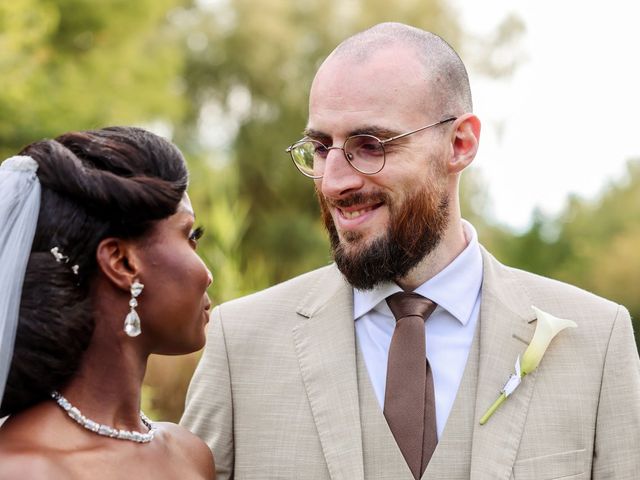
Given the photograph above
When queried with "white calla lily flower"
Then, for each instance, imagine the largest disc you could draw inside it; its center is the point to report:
(547, 327)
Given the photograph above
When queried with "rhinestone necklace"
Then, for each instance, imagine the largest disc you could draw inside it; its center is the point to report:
(105, 430)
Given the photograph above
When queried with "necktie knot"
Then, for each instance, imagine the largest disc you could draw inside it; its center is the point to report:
(407, 304)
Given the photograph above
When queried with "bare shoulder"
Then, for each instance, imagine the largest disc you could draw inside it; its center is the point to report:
(28, 465)
(187, 447)
(23, 455)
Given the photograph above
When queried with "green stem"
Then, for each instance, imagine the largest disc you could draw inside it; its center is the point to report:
(493, 408)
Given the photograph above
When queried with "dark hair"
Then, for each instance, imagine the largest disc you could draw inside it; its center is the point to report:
(116, 181)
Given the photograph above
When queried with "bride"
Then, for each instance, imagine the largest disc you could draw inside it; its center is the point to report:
(98, 270)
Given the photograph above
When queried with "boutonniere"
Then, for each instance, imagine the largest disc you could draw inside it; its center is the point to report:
(547, 327)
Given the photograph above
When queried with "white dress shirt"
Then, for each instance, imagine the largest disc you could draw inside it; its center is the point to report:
(449, 330)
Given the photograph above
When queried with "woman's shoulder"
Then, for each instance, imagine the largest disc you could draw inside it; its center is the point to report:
(28, 464)
(24, 453)
(174, 451)
(185, 444)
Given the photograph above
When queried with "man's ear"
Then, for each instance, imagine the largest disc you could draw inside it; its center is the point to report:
(118, 261)
(464, 140)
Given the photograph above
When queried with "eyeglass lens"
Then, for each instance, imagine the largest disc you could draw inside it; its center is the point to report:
(364, 152)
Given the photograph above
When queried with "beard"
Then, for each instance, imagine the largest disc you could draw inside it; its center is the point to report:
(415, 229)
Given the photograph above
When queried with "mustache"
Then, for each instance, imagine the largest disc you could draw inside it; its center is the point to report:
(358, 198)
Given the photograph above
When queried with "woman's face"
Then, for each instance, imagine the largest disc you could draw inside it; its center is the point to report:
(174, 305)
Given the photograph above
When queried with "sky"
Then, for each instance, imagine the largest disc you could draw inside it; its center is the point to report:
(567, 120)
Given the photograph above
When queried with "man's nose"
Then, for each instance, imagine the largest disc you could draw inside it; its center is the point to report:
(339, 176)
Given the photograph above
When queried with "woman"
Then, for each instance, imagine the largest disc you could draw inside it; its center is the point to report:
(98, 270)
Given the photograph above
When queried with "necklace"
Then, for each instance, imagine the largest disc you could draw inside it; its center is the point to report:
(104, 430)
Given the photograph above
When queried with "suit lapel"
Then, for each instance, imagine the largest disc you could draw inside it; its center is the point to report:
(325, 345)
(506, 329)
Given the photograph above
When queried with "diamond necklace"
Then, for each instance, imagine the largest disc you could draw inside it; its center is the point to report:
(104, 430)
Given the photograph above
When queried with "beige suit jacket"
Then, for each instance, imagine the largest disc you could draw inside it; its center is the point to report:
(280, 390)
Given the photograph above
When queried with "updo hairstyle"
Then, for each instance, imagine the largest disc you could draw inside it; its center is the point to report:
(116, 181)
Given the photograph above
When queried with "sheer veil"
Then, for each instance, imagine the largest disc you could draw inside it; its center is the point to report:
(19, 207)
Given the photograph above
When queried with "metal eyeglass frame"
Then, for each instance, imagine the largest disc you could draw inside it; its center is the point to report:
(290, 148)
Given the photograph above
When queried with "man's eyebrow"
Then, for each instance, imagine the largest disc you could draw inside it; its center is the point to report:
(380, 132)
(311, 133)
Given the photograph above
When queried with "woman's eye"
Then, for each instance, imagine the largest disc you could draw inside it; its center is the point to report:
(196, 234)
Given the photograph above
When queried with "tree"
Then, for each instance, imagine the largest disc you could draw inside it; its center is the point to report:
(594, 243)
(74, 64)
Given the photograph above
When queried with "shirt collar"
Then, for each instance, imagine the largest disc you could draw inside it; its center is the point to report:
(455, 288)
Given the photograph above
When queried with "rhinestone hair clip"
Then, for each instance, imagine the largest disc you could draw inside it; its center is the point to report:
(62, 258)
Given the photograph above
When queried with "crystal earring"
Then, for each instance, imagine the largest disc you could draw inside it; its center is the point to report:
(132, 322)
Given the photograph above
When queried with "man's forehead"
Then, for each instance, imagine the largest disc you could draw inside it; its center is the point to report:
(346, 98)
(395, 58)
(387, 75)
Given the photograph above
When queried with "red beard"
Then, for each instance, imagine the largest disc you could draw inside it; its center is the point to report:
(415, 228)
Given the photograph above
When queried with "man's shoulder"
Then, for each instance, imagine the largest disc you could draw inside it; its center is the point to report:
(540, 286)
(288, 294)
(555, 296)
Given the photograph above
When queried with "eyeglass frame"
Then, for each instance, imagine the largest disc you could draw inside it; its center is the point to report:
(382, 143)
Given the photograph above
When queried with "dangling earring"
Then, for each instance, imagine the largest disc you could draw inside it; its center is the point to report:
(132, 322)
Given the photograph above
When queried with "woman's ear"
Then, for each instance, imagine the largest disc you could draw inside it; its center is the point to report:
(118, 261)
(464, 140)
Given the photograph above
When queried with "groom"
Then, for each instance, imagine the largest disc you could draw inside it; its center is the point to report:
(326, 376)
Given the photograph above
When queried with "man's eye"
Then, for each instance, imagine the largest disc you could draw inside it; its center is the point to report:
(371, 147)
(320, 149)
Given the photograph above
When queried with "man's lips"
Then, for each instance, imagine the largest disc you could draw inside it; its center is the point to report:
(354, 211)
(357, 210)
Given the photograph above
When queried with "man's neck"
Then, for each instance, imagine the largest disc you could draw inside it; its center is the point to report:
(453, 242)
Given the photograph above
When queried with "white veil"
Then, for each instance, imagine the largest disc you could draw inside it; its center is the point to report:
(19, 207)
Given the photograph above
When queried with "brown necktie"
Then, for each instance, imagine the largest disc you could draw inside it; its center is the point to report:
(409, 400)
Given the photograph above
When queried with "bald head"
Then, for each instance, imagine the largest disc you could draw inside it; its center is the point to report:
(443, 69)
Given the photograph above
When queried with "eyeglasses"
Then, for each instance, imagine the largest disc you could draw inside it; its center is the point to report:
(365, 153)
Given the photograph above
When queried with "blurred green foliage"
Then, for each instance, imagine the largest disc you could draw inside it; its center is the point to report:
(594, 243)
(76, 64)
(228, 80)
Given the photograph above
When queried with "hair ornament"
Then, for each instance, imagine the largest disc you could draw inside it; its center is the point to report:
(57, 254)
(61, 258)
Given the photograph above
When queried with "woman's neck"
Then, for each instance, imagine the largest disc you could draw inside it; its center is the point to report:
(107, 385)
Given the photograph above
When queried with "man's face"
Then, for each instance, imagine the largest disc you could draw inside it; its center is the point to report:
(382, 225)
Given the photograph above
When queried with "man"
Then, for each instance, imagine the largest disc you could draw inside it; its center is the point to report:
(318, 377)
